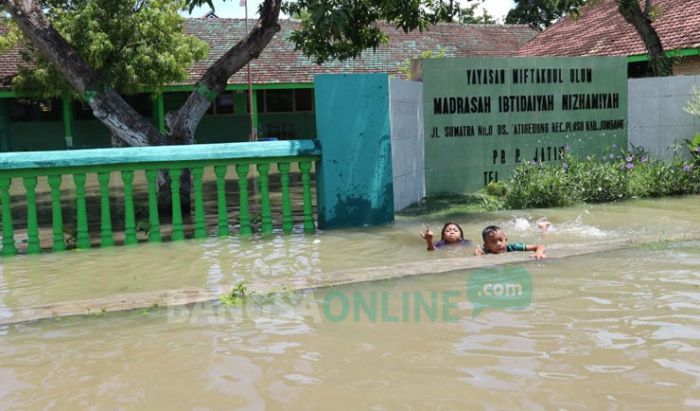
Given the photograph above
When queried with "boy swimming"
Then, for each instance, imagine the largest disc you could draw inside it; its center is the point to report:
(496, 242)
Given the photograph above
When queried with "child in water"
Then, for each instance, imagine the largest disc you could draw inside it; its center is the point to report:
(496, 242)
(451, 235)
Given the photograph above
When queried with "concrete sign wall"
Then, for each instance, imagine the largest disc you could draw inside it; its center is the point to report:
(483, 116)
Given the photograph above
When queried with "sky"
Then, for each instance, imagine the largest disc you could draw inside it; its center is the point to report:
(232, 8)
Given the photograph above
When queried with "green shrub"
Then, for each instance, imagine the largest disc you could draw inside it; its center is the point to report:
(613, 176)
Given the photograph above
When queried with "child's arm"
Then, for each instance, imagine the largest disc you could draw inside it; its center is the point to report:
(427, 235)
(478, 251)
(538, 249)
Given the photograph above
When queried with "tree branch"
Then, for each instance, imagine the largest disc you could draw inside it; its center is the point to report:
(183, 123)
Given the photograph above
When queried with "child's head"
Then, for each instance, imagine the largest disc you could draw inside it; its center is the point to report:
(495, 239)
(452, 233)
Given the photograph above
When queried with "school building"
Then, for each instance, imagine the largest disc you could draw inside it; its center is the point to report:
(283, 88)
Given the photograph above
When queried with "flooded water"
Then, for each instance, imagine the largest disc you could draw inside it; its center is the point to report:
(617, 328)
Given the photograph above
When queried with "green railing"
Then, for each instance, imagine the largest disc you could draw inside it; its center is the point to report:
(242, 158)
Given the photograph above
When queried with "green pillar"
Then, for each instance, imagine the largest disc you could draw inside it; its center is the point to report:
(67, 121)
(153, 218)
(8, 239)
(82, 230)
(129, 215)
(178, 233)
(59, 243)
(254, 110)
(4, 126)
(159, 113)
(220, 172)
(242, 172)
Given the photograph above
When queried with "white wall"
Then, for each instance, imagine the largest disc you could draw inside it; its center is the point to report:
(407, 146)
(655, 113)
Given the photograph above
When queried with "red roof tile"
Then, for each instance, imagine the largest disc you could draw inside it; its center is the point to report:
(601, 30)
(279, 63)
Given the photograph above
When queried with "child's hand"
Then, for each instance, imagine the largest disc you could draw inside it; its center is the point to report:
(478, 251)
(539, 253)
(427, 234)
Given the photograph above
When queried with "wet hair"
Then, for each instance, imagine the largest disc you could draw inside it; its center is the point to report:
(442, 233)
(489, 231)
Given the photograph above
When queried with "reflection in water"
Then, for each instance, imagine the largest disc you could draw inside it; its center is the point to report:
(613, 330)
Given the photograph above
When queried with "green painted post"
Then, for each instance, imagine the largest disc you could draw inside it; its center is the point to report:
(287, 222)
(175, 174)
(200, 229)
(67, 121)
(159, 112)
(33, 246)
(59, 243)
(129, 217)
(220, 172)
(254, 110)
(264, 170)
(305, 167)
(153, 220)
(83, 236)
(242, 172)
(4, 126)
(8, 239)
(105, 215)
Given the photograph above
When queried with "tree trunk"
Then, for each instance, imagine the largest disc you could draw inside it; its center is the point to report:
(108, 106)
(661, 65)
(120, 118)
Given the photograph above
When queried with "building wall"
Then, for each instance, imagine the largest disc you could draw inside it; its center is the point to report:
(687, 66)
(656, 116)
(88, 132)
(36, 136)
(407, 146)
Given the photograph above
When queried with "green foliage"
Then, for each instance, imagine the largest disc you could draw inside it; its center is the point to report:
(496, 189)
(693, 105)
(405, 66)
(342, 29)
(237, 294)
(10, 36)
(133, 44)
(467, 15)
(540, 14)
(616, 175)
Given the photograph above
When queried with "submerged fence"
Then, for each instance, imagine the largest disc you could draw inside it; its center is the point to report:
(241, 157)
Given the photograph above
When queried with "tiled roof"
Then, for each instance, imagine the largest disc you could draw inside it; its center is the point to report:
(601, 30)
(9, 61)
(279, 63)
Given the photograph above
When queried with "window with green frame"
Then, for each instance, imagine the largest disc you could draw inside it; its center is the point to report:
(285, 100)
(25, 109)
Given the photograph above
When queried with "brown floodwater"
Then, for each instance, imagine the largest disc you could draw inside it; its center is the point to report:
(615, 329)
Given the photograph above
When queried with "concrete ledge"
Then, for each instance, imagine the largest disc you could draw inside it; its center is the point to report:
(179, 297)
